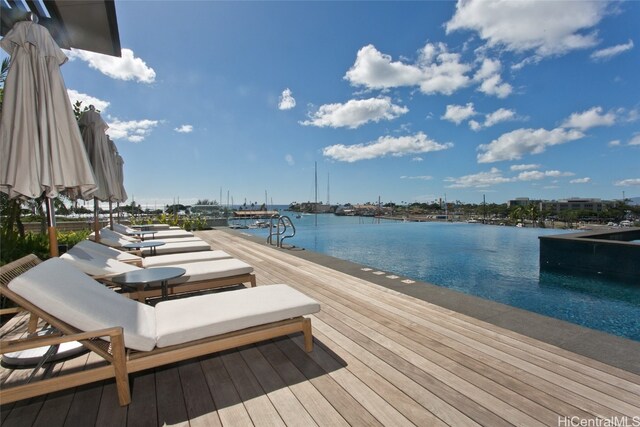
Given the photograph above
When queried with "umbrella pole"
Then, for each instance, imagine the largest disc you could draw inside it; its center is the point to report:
(110, 214)
(96, 222)
(51, 221)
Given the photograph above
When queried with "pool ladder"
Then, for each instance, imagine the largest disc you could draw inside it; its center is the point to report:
(279, 230)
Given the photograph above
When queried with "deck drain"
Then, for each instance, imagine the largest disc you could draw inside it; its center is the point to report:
(366, 269)
(392, 277)
(408, 281)
(379, 273)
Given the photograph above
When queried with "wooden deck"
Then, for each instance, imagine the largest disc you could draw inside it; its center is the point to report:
(380, 358)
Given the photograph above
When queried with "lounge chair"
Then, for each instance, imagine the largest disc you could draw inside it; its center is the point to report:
(167, 248)
(141, 336)
(107, 233)
(199, 276)
(157, 234)
(155, 261)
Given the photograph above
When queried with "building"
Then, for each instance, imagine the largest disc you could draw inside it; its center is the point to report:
(522, 201)
(574, 204)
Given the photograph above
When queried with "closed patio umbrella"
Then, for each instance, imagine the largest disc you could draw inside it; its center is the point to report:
(120, 194)
(41, 149)
(102, 159)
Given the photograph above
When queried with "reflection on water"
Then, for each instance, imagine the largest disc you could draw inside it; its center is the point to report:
(492, 262)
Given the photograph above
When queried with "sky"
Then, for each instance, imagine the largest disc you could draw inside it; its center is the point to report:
(398, 101)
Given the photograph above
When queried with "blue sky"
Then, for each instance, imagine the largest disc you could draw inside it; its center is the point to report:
(406, 101)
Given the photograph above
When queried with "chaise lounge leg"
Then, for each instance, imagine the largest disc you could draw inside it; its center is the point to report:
(120, 368)
(308, 335)
(33, 323)
(253, 281)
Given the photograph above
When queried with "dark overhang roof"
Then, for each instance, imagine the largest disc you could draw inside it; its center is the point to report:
(82, 24)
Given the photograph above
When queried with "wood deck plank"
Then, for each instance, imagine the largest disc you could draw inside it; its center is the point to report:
(285, 402)
(201, 409)
(110, 413)
(342, 400)
(231, 409)
(170, 397)
(259, 407)
(318, 407)
(143, 409)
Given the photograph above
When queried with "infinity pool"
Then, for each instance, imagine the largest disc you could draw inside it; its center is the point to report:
(492, 262)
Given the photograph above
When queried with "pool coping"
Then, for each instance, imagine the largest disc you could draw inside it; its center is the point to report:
(611, 349)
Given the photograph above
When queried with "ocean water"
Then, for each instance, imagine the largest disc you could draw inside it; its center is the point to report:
(492, 262)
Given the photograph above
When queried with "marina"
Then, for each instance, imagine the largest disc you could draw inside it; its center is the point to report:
(381, 357)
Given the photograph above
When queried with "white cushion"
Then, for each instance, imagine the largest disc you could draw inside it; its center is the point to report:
(174, 239)
(95, 264)
(188, 319)
(70, 295)
(107, 233)
(170, 259)
(170, 234)
(107, 251)
(179, 247)
(159, 233)
(122, 229)
(208, 270)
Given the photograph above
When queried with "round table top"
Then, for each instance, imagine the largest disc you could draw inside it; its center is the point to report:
(145, 244)
(148, 275)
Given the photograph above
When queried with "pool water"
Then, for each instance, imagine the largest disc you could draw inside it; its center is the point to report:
(491, 262)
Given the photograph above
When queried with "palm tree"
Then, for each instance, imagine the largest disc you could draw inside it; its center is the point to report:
(517, 214)
(533, 213)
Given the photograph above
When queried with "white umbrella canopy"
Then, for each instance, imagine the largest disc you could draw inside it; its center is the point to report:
(41, 149)
(121, 193)
(101, 157)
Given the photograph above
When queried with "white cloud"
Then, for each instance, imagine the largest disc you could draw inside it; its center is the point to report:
(384, 146)
(500, 115)
(610, 52)
(635, 140)
(459, 113)
(585, 180)
(436, 71)
(515, 144)
(491, 82)
(355, 113)
(474, 125)
(133, 130)
(546, 28)
(538, 175)
(627, 182)
(419, 177)
(87, 100)
(615, 143)
(417, 159)
(184, 129)
(289, 159)
(590, 118)
(492, 119)
(524, 167)
(478, 180)
(287, 101)
(128, 67)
